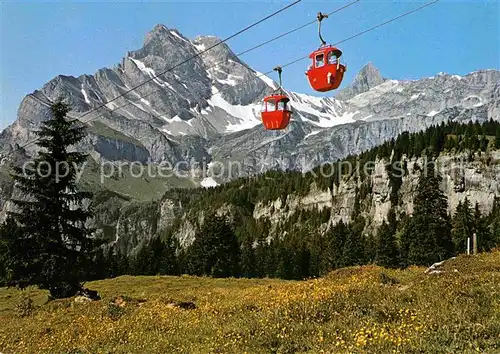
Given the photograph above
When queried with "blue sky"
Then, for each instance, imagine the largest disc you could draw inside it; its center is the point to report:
(40, 39)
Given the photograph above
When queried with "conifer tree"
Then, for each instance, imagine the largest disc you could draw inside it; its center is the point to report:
(9, 242)
(320, 262)
(262, 256)
(494, 220)
(353, 252)
(100, 266)
(55, 247)
(248, 264)
(497, 138)
(112, 261)
(463, 226)
(404, 240)
(215, 250)
(335, 240)
(429, 229)
(387, 248)
(484, 234)
(283, 259)
(158, 256)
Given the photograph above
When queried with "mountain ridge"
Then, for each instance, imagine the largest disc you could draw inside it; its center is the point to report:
(201, 111)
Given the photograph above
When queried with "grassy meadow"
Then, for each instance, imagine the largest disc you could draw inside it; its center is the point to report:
(352, 310)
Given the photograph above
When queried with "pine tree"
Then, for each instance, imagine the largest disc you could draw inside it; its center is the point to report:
(284, 260)
(353, 252)
(387, 248)
(484, 235)
(429, 229)
(463, 226)
(484, 143)
(10, 246)
(262, 257)
(335, 240)
(169, 263)
(495, 231)
(405, 240)
(141, 263)
(56, 246)
(122, 264)
(298, 253)
(320, 262)
(215, 250)
(112, 263)
(248, 263)
(493, 220)
(101, 267)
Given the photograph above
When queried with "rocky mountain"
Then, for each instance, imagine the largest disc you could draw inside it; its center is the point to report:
(206, 111)
(368, 77)
(205, 114)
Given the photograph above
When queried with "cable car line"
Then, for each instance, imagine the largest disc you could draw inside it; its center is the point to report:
(169, 69)
(306, 57)
(237, 55)
(213, 66)
(296, 29)
(337, 43)
(341, 41)
(262, 74)
(161, 89)
(193, 57)
(387, 22)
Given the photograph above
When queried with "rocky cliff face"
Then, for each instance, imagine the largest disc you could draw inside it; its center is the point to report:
(482, 182)
(481, 175)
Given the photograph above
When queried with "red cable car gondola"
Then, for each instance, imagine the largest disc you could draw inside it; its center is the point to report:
(276, 113)
(326, 72)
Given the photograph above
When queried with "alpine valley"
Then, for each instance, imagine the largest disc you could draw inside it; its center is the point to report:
(205, 113)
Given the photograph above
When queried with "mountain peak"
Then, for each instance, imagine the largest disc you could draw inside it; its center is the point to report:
(159, 28)
(161, 33)
(369, 74)
(367, 78)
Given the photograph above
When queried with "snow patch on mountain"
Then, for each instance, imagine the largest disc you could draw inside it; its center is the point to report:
(199, 47)
(84, 93)
(314, 132)
(173, 119)
(206, 110)
(246, 114)
(176, 35)
(472, 101)
(267, 80)
(416, 96)
(335, 120)
(151, 73)
(231, 80)
(308, 107)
